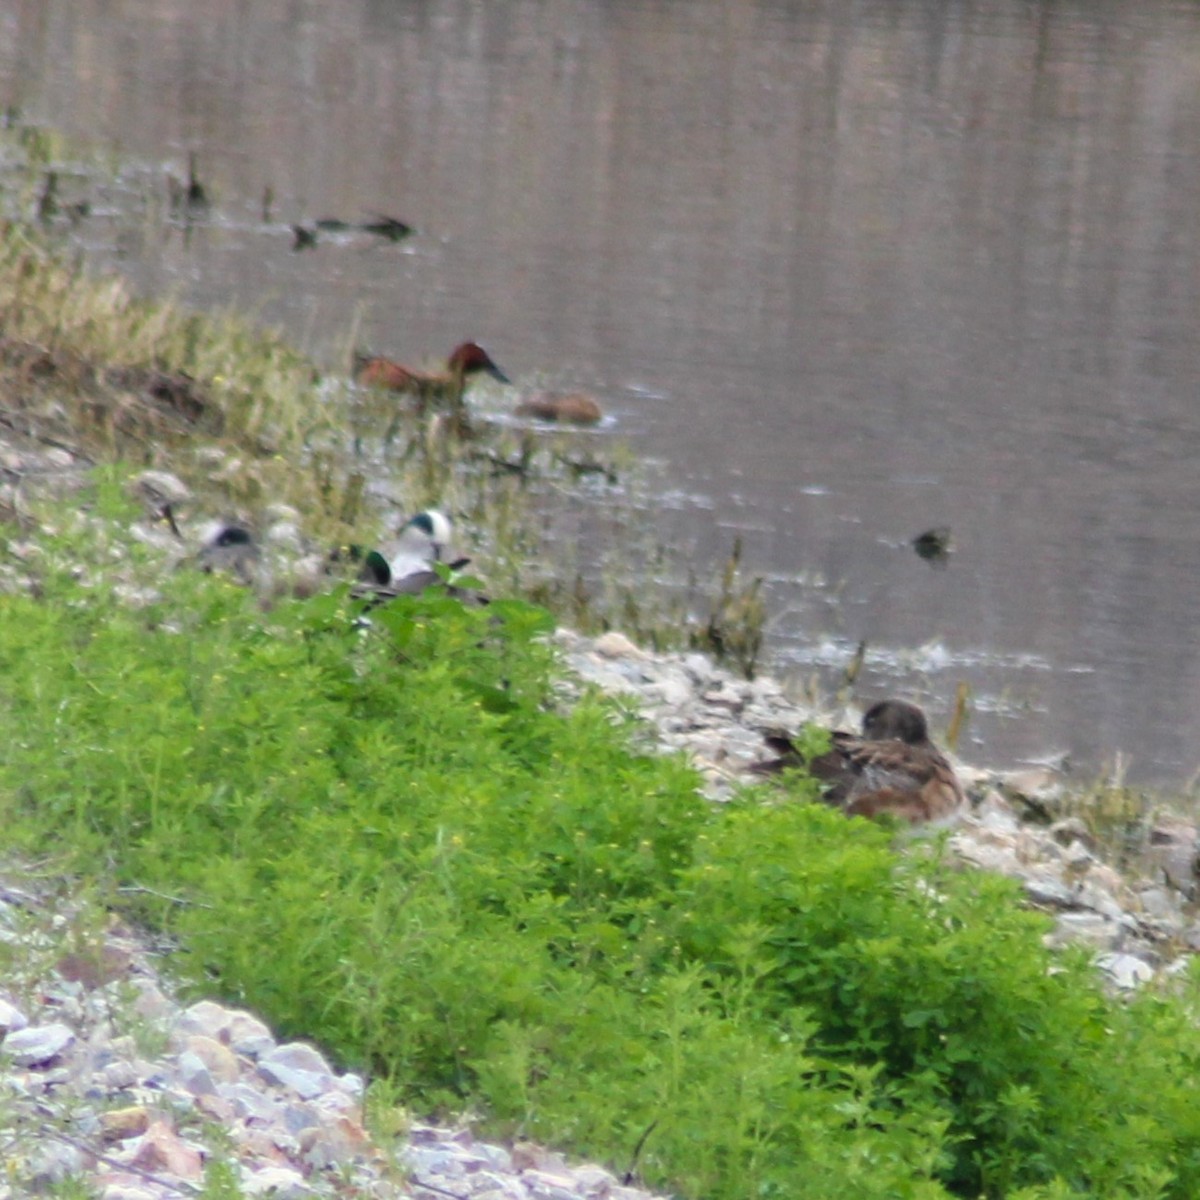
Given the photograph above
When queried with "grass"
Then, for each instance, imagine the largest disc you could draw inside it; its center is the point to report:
(487, 903)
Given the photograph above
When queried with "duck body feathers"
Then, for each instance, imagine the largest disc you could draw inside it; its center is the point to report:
(893, 768)
(466, 359)
(572, 408)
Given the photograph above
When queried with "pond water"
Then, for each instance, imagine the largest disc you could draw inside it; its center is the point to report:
(844, 269)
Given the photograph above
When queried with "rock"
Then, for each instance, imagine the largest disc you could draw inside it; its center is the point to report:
(194, 1075)
(280, 1182)
(298, 1067)
(160, 1149)
(119, 1124)
(617, 645)
(1126, 971)
(129, 1191)
(157, 488)
(11, 1017)
(37, 1044)
(220, 1061)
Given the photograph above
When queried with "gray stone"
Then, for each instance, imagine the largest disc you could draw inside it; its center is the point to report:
(1126, 971)
(281, 1183)
(11, 1017)
(37, 1044)
(299, 1067)
(194, 1075)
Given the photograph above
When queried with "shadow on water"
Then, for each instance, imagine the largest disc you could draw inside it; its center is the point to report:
(847, 273)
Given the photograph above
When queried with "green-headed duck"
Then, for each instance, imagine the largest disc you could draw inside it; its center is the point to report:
(893, 768)
(407, 566)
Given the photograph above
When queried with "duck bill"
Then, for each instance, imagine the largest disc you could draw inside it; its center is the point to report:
(497, 374)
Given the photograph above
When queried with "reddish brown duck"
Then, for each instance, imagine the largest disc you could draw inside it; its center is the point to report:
(892, 768)
(429, 387)
(572, 408)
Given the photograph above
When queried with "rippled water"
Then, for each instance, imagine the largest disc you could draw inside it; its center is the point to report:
(847, 270)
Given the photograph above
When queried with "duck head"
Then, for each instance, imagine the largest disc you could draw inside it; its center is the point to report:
(426, 535)
(895, 719)
(233, 549)
(471, 358)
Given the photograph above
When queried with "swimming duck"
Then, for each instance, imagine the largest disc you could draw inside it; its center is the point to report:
(934, 545)
(429, 387)
(892, 768)
(574, 408)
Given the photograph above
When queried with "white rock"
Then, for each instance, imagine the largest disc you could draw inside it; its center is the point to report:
(1125, 970)
(298, 1066)
(11, 1017)
(160, 487)
(617, 645)
(248, 1035)
(280, 1182)
(36, 1044)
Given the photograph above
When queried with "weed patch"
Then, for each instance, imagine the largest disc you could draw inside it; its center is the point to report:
(388, 836)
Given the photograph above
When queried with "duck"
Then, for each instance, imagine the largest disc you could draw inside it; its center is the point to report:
(422, 541)
(406, 568)
(892, 769)
(429, 387)
(231, 550)
(934, 545)
(572, 408)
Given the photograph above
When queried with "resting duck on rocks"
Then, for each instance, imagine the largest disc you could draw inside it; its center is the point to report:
(230, 549)
(573, 408)
(406, 568)
(429, 387)
(892, 768)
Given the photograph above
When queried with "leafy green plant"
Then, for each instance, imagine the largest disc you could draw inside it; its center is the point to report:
(387, 835)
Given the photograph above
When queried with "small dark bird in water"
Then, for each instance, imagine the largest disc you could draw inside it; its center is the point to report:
(934, 545)
(386, 227)
(187, 200)
(303, 238)
(47, 207)
(893, 768)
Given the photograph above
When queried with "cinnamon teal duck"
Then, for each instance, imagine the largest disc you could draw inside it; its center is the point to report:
(429, 387)
(893, 768)
(572, 408)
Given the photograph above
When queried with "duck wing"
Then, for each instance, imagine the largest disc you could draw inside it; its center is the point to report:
(912, 782)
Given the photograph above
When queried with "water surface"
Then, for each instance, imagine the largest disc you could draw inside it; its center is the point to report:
(846, 269)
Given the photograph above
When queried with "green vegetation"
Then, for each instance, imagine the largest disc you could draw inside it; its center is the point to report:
(387, 836)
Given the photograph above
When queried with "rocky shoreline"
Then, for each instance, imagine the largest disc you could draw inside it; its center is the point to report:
(112, 1081)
